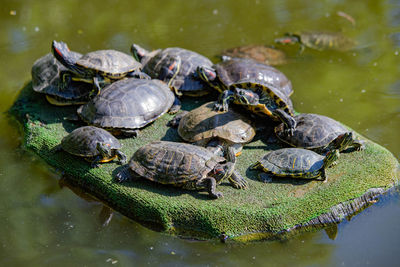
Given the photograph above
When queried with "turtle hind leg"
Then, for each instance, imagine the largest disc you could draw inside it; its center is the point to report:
(176, 106)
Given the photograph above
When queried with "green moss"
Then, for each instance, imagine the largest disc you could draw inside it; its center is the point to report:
(262, 211)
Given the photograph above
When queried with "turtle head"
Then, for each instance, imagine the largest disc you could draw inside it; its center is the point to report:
(331, 157)
(104, 150)
(138, 52)
(222, 171)
(62, 53)
(342, 141)
(245, 97)
(288, 38)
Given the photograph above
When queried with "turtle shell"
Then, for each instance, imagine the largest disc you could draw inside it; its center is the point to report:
(259, 53)
(326, 41)
(83, 141)
(173, 163)
(313, 131)
(292, 162)
(46, 77)
(246, 70)
(185, 80)
(128, 104)
(203, 123)
(110, 63)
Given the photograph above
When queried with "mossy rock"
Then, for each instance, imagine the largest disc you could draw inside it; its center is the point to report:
(262, 211)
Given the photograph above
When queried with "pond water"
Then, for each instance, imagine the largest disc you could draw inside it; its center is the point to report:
(45, 224)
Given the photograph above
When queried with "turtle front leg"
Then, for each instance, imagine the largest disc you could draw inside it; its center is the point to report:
(65, 79)
(225, 98)
(289, 121)
(323, 176)
(96, 161)
(125, 174)
(96, 87)
(238, 181)
(211, 185)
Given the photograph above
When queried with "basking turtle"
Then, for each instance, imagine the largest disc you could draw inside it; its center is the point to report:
(203, 124)
(127, 105)
(46, 78)
(295, 163)
(261, 53)
(260, 88)
(176, 66)
(94, 144)
(99, 67)
(183, 165)
(318, 133)
(318, 40)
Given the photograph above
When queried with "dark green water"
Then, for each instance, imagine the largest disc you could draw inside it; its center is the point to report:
(46, 225)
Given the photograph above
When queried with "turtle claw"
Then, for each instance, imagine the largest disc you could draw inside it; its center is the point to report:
(265, 178)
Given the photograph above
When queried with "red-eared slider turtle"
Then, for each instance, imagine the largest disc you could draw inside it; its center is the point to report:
(99, 67)
(260, 88)
(127, 105)
(318, 40)
(46, 79)
(318, 133)
(261, 53)
(94, 144)
(295, 163)
(183, 165)
(175, 66)
(203, 124)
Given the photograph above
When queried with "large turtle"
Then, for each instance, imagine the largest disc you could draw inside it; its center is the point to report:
(46, 80)
(261, 53)
(94, 144)
(260, 88)
(201, 125)
(183, 165)
(295, 163)
(100, 67)
(318, 133)
(318, 40)
(127, 105)
(175, 66)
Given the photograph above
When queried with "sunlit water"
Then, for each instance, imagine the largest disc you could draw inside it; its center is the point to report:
(46, 224)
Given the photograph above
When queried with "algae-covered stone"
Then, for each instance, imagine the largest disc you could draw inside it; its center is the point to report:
(261, 211)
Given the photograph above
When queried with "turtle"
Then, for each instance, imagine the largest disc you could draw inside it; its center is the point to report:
(318, 133)
(295, 163)
(182, 165)
(318, 40)
(99, 67)
(201, 125)
(176, 66)
(261, 53)
(260, 88)
(94, 144)
(127, 105)
(46, 77)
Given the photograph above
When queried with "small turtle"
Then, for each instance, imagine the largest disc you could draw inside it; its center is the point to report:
(258, 87)
(318, 133)
(203, 124)
(175, 66)
(99, 67)
(182, 165)
(261, 53)
(46, 77)
(295, 163)
(127, 105)
(94, 144)
(318, 40)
